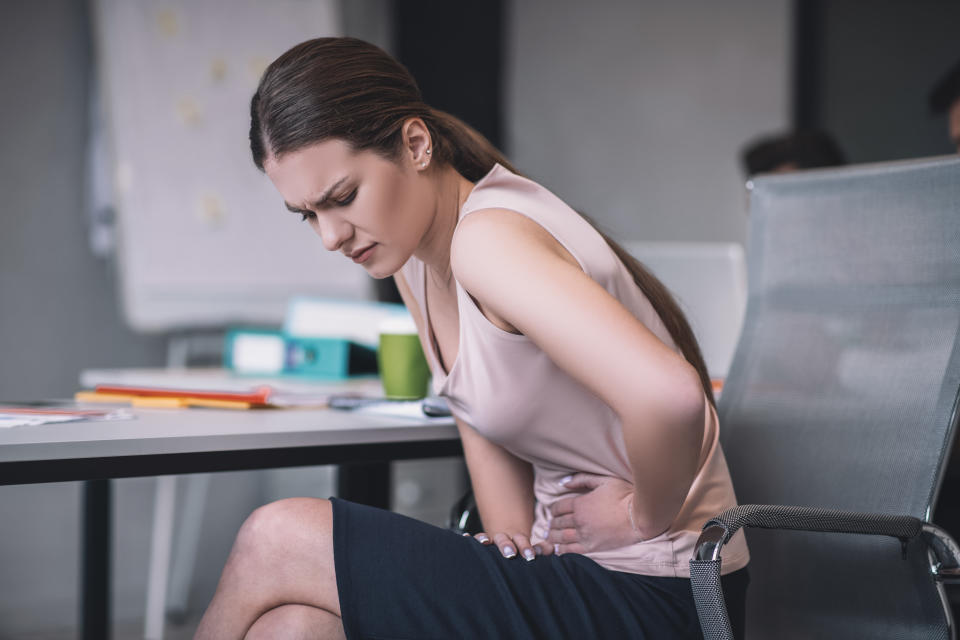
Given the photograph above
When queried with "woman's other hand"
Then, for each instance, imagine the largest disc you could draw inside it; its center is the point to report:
(600, 518)
(513, 544)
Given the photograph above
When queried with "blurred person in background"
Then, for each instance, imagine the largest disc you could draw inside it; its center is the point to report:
(945, 98)
(805, 149)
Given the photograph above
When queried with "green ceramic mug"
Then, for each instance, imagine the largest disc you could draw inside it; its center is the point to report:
(403, 367)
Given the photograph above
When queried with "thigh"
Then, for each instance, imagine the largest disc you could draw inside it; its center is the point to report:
(399, 578)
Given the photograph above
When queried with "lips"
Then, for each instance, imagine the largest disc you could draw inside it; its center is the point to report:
(361, 255)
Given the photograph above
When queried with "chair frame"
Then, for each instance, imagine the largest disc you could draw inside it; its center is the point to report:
(942, 550)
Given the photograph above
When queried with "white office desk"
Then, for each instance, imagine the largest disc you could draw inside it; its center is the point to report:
(175, 441)
(163, 441)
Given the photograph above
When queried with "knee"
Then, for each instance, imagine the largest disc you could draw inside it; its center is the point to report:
(295, 621)
(278, 524)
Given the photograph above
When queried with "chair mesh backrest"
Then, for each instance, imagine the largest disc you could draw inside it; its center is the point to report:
(843, 388)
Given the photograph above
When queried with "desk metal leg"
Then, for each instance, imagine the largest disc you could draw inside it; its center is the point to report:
(188, 542)
(365, 483)
(95, 562)
(161, 544)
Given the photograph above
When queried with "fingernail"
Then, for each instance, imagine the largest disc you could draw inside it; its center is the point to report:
(556, 548)
(529, 554)
(565, 480)
(508, 552)
(538, 551)
(466, 534)
(482, 538)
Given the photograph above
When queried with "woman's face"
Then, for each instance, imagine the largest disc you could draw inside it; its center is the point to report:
(373, 210)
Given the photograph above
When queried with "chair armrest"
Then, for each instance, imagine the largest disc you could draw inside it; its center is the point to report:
(766, 516)
(946, 551)
(706, 563)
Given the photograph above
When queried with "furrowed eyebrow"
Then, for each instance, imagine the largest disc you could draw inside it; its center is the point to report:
(321, 201)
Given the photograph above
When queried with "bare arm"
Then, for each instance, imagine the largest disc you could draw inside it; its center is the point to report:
(502, 483)
(512, 267)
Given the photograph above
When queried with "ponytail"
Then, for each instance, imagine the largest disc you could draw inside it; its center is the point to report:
(348, 89)
(461, 146)
(472, 155)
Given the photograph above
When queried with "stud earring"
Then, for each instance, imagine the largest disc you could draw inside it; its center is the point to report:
(423, 164)
(428, 151)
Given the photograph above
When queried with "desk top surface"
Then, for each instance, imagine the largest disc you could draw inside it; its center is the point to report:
(172, 432)
(175, 431)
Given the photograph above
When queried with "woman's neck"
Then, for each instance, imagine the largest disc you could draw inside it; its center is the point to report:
(434, 251)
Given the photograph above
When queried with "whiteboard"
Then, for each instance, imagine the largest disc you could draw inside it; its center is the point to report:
(203, 238)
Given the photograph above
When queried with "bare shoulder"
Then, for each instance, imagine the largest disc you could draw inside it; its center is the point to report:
(516, 273)
(490, 248)
(490, 234)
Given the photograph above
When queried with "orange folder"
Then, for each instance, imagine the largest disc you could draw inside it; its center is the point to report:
(259, 396)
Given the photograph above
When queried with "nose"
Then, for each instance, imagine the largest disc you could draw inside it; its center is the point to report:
(334, 232)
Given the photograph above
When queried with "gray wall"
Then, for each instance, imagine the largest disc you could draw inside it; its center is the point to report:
(878, 67)
(59, 305)
(634, 111)
(58, 310)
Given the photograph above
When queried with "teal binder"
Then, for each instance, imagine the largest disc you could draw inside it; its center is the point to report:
(304, 357)
(332, 358)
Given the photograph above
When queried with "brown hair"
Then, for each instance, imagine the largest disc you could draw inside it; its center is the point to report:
(348, 89)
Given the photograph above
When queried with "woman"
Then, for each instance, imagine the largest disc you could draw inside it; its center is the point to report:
(580, 395)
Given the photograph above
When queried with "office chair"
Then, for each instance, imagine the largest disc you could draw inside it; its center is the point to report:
(841, 401)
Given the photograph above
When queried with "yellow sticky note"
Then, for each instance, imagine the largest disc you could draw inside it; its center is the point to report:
(93, 396)
(167, 23)
(217, 404)
(158, 403)
(189, 112)
(218, 70)
(211, 210)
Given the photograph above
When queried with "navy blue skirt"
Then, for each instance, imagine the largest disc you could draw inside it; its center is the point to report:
(402, 579)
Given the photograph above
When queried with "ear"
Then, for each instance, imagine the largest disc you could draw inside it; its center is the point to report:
(417, 145)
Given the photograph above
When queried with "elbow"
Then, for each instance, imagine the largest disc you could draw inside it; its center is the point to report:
(686, 416)
(691, 399)
(664, 436)
(677, 399)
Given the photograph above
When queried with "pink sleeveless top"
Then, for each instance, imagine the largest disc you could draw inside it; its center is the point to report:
(510, 391)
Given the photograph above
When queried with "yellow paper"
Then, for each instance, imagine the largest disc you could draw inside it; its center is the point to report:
(216, 404)
(158, 403)
(93, 396)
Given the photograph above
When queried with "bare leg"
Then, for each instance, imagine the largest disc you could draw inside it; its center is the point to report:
(297, 622)
(283, 555)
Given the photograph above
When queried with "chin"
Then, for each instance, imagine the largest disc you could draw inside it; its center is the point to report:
(379, 273)
(383, 269)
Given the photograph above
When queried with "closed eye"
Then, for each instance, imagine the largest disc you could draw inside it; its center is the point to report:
(304, 215)
(347, 200)
(309, 215)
